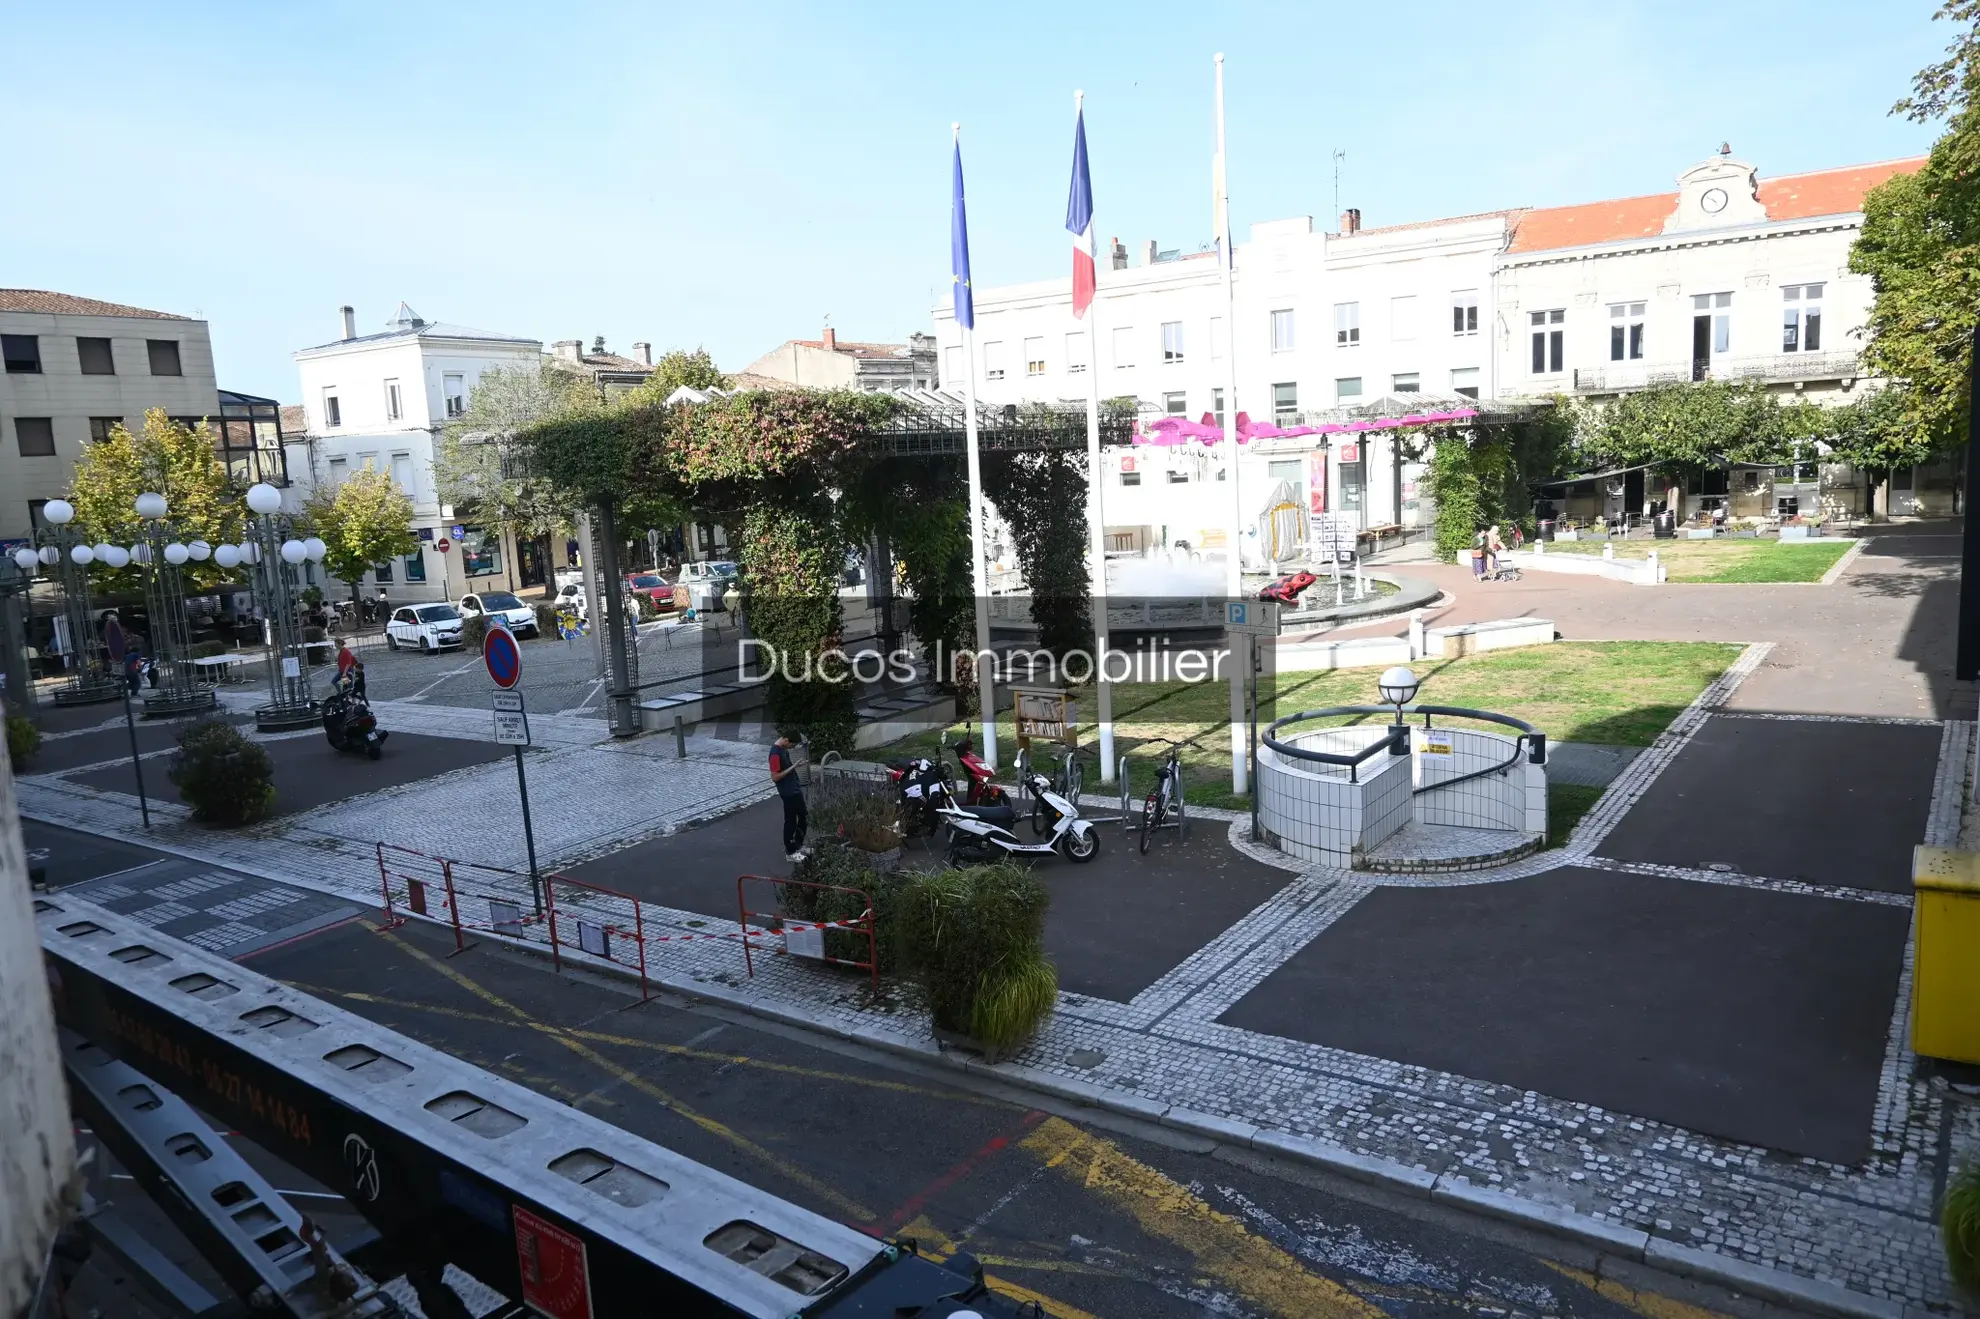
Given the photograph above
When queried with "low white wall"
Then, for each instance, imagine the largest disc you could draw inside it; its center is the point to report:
(1514, 800)
(1499, 634)
(1316, 812)
(1326, 656)
(1636, 572)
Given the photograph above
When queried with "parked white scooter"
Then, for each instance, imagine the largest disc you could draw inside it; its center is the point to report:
(983, 833)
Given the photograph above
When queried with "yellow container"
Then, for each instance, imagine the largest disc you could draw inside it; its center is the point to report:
(1945, 978)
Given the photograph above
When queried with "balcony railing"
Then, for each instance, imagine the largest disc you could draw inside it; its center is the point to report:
(1771, 368)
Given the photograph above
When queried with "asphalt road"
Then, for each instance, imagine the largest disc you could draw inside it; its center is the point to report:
(1092, 1216)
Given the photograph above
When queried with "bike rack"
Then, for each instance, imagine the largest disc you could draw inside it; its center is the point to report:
(1131, 810)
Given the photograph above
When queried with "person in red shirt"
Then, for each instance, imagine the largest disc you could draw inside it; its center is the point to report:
(784, 773)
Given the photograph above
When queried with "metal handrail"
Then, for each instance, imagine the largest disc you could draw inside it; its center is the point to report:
(1529, 737)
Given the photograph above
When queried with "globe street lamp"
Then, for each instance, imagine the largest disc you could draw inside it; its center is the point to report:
(62, 548)
(1398, 687)
(170, 639)
(277, 555)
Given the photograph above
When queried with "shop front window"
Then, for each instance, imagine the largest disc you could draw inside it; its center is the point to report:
(481, 551)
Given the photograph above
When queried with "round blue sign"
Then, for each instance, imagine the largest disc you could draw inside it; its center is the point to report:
(503, 657)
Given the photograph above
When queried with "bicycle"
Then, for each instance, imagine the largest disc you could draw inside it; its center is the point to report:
(1165, 796)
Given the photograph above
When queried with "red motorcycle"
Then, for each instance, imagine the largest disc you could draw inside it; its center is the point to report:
(983, 789)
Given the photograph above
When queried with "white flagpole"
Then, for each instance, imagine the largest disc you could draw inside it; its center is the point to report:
(1096, 515)
(986, 666)
(1239, 647)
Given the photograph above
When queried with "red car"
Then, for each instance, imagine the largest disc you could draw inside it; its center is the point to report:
(653, 586)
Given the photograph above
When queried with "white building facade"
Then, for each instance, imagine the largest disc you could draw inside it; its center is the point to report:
(380, 401)
(1404, 318)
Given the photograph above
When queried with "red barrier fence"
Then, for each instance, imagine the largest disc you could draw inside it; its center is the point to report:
(863, 923)
(589, 907)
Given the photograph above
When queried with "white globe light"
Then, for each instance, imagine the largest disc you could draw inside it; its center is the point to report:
(50, 555)
(228, 556)
(263, 498)
(26, 559)
(58, 511)
(176, 554)
(150, 505)
(141, 553)
(116, 556)
(102, 548)
(82, 554)
(314, 547)
(293, 551)
(1398, 685)
(200, 551)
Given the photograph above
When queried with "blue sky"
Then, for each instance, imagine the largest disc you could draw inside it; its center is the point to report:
(730, 174)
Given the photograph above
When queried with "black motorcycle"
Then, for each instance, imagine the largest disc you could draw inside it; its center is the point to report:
(350, 725)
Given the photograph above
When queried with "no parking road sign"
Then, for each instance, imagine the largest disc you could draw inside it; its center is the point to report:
(503, 656)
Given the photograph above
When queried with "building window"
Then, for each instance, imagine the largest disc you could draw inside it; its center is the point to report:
(453, 387)
(339, 469)
(952, 364)
(35, 436)
(1176, 405)
(1405, 382)
(1172, 343)
(1801, 318)
(1285, 404)
(1128, 475)
(393, 408)
(1217, 405)
(1123, 347)
(1464, 311)
(95, 357)
(993, 360)
(1034, 355)
(1347, 388)
(1402, 318)
(1549, 341)
(1626, 332)
(1218, 338)
(36, 521)
(1178, 476)
(22, 353)
(382, 572)
(1347, 324)
(164, 355)
(1282, 331)
(416, 566)
(333, 411)
(1711, 323)
(100, 428)
(402, 475)
(1075, 353)
(1464, 381)
(481, 552)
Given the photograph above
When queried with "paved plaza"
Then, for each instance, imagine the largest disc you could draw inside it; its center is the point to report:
(1684, 1034)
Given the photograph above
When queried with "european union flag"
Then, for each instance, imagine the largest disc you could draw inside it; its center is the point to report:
(959, 252)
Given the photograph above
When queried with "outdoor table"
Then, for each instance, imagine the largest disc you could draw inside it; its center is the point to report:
(217, 668)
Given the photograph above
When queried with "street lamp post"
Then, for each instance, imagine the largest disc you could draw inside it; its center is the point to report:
(170, 635)
(1398, 687)
(63, 549)
(277, 557)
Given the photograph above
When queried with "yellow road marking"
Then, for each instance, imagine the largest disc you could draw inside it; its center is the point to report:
(1649, 1304)
(935, 1243)
(655, 1046)
(1220, 1243)
(821, 1189)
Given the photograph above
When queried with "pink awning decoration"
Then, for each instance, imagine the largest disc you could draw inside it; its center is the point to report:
(1181, 430)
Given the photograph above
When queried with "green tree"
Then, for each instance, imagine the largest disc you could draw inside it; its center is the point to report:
(366, 520)
(1685, 427)
(680, 367)
(477, 465)
(172, 459)
(1920, 245)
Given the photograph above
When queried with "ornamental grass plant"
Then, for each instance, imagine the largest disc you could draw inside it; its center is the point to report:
(1959, 1225)
(974, 937)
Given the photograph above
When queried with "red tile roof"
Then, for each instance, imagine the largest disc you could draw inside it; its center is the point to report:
(295, 422)
(1791, 197)
(857, 349)
(68, 304)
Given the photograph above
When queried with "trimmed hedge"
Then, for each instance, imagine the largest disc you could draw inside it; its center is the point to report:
(474, 630)
(546, 619)
(834, 862)
(224, 777)
(23, 741)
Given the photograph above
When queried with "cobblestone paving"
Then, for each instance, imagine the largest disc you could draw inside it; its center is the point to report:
(1867, 1228)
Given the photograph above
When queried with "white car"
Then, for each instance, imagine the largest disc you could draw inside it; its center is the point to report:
(520, 617)
(428, 629)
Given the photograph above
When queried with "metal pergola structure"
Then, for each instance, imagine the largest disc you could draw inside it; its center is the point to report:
(932, 422)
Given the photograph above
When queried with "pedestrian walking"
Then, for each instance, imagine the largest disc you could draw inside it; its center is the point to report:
(784, 773)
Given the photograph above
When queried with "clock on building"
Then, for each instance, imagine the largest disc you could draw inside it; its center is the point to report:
(1713, 201)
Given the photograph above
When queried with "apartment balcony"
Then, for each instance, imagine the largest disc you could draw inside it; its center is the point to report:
(1767, 369)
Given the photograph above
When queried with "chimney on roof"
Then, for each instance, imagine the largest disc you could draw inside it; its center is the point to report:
(1351, 221)
(643, 354)
(347, 316)
(831, 340)
(1116, 254)
(1148, 253)
(570, 350)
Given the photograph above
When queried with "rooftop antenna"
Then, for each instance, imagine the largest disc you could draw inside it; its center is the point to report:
(1339, 156)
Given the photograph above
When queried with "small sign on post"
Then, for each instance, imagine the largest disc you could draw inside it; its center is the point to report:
(1258, 618)
(511, 720)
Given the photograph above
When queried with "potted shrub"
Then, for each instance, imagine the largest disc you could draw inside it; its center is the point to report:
(223, 776)
(974, 937)
(23, 740)
(834, 861)
(1959, 1224)
(474, 630)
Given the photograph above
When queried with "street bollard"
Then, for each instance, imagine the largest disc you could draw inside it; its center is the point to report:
(680, 738)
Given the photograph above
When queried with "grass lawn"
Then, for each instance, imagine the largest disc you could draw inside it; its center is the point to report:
(1724, 560)
(1566, 804)
(1621, 692)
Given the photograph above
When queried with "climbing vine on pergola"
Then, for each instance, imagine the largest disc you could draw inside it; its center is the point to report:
(805, 475)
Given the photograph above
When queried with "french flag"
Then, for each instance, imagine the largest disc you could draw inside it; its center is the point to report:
(1079, 219)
